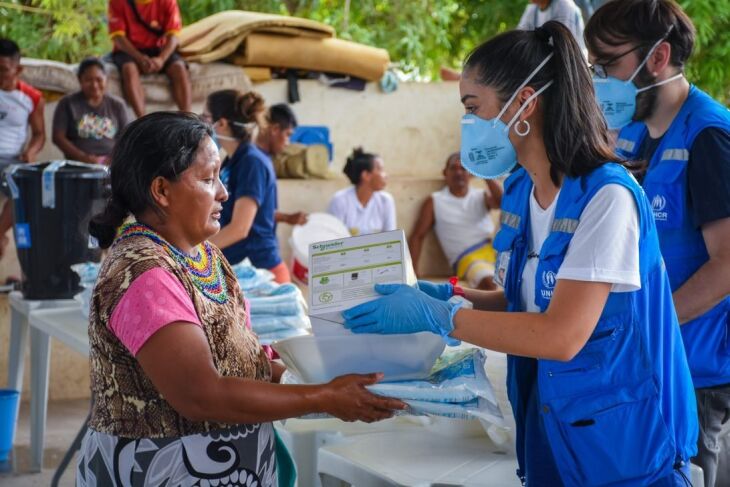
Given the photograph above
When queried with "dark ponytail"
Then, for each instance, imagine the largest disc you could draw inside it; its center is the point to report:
(358, 162)
(104, 225)
(574, 130)
(161, 144)
(239, 109)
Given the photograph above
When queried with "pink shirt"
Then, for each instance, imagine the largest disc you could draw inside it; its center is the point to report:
(155, 299)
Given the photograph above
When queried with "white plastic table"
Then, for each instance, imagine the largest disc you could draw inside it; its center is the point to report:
(418, 458)
(20, 330)
(70, 326)
(304, 438)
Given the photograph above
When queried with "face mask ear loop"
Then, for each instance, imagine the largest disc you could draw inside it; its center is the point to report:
(524, 83)
(246, 126)
(226, 137)
(668, 80)
(651, 51)
(524, 105)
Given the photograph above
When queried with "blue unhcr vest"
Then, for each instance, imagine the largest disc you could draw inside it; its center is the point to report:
(622, 411)
(706, 337)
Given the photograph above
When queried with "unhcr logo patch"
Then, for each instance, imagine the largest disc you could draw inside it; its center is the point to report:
(658, 203)
(548, 283)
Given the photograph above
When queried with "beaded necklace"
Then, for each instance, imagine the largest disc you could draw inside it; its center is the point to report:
(205, 269)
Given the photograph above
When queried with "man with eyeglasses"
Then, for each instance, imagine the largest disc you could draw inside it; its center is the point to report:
(678, 139)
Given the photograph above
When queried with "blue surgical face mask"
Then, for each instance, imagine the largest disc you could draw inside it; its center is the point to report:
(486, 150)
(617, 98)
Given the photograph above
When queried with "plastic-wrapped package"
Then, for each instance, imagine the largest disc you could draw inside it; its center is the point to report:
(84, 297)
(455, 377)
(249, 277)
(458, 387)
(87, 272)
(479, 408)
(272, 323)
(271, 337)
(284, 300)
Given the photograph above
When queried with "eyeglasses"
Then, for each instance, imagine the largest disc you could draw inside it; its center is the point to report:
(601, 70)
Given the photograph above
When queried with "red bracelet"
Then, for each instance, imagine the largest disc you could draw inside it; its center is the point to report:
(457, 290)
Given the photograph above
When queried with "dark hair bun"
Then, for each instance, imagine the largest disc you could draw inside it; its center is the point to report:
(358, 162)
(250, 106)
(239, 109)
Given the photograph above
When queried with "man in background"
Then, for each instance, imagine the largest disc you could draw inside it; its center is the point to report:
(21, 109)
(459, 214)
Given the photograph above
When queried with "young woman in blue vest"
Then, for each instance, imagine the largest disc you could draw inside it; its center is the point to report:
(680, 140)
(597, 375)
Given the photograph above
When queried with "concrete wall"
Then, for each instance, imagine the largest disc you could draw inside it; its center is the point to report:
(413, 129)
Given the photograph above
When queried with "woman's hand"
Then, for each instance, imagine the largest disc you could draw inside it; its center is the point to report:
(347, 399)
(178, 360)
(277, 370)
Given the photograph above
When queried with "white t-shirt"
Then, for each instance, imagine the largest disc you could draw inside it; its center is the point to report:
(604, 247)
(16, 106)
(564, 11)
(461, 222)
(377, 216)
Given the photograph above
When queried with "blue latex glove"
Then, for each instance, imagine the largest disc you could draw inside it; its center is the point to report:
(403, 309)
(443, 291)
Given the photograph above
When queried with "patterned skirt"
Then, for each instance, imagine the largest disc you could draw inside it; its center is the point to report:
(241, 456)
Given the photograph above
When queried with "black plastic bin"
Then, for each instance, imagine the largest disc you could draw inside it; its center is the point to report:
(52, 205)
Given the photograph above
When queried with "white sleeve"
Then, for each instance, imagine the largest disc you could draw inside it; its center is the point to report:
(605, 246)
(526, 22)
(390, 223)
(335, 207)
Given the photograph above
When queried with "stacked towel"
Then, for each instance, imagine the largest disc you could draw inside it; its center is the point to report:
(278, 311)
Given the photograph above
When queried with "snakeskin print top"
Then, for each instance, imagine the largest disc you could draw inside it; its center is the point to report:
(125, 402)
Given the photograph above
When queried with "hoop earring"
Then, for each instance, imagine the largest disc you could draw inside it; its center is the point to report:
(527, 130)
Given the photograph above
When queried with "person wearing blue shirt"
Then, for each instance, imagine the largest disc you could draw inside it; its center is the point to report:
(678, 138)
(250, 215)
(597, 375)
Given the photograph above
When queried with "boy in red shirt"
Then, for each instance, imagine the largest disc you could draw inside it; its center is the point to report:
(144, 33)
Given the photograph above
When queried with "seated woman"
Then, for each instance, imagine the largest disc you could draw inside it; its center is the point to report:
(183, 393)
(87, 124)
(364, 207)
(250, 215)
